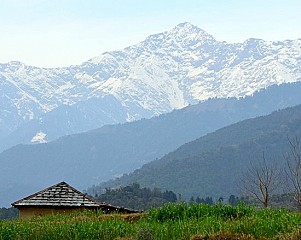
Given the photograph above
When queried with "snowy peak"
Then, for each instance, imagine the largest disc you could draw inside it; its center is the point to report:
(187, 31)
(185, 25)
(184, 35)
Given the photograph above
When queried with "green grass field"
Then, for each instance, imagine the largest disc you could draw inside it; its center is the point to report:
(181, 221)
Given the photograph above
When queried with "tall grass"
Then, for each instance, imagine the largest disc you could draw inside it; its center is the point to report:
(173, 221)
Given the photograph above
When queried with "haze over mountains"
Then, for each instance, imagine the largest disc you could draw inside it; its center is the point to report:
(99, 155)
(166, 71)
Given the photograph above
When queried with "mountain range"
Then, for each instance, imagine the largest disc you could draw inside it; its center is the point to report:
(112, 150)
(166, 71)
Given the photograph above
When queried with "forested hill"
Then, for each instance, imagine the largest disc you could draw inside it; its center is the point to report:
(214, 164)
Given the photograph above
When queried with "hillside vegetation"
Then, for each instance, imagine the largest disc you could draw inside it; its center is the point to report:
(214, 164)
(173, 222)
(137, 198)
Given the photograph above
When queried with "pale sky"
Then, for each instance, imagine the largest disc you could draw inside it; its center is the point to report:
(56, 33)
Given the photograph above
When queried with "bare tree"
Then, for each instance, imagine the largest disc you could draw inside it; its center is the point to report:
(262, 180)
(293, 159)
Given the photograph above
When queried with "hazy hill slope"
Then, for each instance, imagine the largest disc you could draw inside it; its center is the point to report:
(212, 165)
(99, 155)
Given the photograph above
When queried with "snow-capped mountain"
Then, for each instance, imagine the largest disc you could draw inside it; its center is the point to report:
(166, 71)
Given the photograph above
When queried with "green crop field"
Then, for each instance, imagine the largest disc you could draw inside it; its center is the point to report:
(173, 221)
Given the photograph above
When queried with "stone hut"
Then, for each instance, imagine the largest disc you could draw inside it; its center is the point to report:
(61, 198)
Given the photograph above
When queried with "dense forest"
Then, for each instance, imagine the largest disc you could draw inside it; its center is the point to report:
(135, 197)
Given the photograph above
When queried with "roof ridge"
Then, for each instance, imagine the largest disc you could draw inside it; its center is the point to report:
(63, 183)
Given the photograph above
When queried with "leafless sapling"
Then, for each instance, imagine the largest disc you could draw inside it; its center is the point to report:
(293, 159)
(261, 180)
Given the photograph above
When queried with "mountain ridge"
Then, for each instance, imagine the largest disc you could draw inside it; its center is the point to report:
(166, 71)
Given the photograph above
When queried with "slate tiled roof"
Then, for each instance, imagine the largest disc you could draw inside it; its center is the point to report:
(59, 195)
